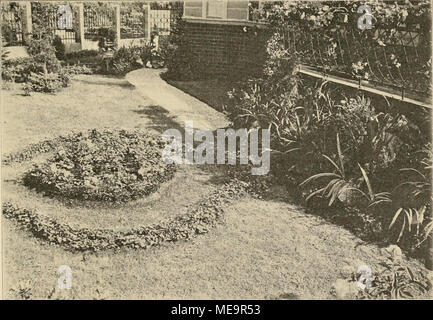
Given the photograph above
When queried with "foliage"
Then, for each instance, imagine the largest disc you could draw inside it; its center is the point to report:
(344, 189)
(177, 52)
(376, 137)
(8, 34)
(30, 151)
(198, 220)
(23, 290)
(19, 70)
(45, 82)
(59, 48)
(394, 281)
(81, 54)
(414, 198)
(126, 59)
(337, 45)
(77, 69)
(104, 165)
(105, 35)
(90, 58)
(44, 53)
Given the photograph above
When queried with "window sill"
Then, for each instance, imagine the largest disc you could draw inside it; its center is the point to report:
(225, 22)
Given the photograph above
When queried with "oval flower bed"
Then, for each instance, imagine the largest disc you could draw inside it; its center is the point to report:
(107, 165)
(200, 219)
(80, 157)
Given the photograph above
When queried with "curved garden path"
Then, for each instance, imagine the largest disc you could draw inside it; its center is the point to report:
(263, 249)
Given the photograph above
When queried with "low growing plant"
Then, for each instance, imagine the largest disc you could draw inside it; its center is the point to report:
(45, 82)
(108, 165)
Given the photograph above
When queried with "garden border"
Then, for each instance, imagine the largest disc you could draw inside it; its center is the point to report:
(199, 220)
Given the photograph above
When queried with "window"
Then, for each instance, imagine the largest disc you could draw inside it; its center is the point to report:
(193, 9)
(231, 10)
(216, 9)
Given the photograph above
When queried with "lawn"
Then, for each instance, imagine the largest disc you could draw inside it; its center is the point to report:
(211, 91)
(264, 248)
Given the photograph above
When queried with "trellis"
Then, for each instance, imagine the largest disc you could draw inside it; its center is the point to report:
(12, 25)
(94, 20)
(395, 58)
(133, 22)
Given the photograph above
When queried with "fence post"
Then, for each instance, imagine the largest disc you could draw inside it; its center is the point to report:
(80, 31)
(26, 19)
(149, 25)
(117, 24)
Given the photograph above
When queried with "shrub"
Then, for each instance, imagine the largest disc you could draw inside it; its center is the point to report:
(103, 165)
(45, 82)
(176, 52)
(44, 53)
(105, 35)
(77, 69)
(126, 59)
(81, 54)
(59, 48)
(19, 70)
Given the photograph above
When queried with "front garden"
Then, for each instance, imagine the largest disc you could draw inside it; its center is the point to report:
(84, 184)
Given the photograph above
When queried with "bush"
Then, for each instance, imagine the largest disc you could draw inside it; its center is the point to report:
(105, 35)
(59, 48)
(103, 165)
(45, 82)
(81, 54)
(44, 53)
(77, 69)
(126, 59)
(176, 53)
(19, 70)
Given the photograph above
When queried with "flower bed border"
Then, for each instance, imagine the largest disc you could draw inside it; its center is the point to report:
(198, 221)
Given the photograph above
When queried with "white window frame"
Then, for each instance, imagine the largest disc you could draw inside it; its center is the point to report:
(204, 17)
(224, 9)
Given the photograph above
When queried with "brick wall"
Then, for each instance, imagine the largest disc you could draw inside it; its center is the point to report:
(226, 50)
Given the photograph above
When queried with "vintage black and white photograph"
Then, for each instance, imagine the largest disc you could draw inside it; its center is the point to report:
(216, 150)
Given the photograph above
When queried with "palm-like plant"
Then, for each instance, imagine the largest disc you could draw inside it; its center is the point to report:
(340, 185)
(420, 198)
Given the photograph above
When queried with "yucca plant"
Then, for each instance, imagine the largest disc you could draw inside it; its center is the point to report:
(340, 187)
(417, 210)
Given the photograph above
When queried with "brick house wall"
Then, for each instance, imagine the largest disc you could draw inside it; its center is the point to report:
(226, 50)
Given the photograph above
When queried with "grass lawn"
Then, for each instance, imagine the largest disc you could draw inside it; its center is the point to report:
(263, 248)
(211, 91)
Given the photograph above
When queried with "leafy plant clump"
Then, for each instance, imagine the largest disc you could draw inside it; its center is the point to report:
(46, 82)
(107, 165)
(199, 220)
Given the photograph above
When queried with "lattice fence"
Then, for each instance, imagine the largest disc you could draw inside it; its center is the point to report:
(395, 58)
(12, 25)
(97, 19)
(133, 22)
(163, 16)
